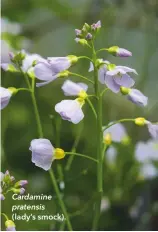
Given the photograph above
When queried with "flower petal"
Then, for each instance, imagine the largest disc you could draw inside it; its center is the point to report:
(44, 72)
(153, 130)
(59, 64)
(137, 97)
(5, 96)
(111, 84)
(91, 68)
(117, 132)
(71, 88)
(125, 81)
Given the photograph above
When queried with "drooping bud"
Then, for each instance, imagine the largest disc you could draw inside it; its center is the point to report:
(81, 41)
(10, 225)
(59, 153)
(140, 121)
(89, 36)
(20, 191)
(121, 52)
(20, 183)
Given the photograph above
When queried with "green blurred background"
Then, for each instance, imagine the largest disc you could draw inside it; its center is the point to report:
(46, 27)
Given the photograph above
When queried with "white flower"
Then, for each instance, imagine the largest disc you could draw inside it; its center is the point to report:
(148, 171)
(74, 89)
(42, 153)
(5, 96)
(70, 110)
(29, 60)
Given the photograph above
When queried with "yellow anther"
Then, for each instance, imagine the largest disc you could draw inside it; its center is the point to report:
(81, 101)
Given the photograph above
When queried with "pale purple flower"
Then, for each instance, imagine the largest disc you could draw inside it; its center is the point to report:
(121, 52)
(148, 171)
(137, 97)
(10, 225)
(89, 36)
(111, 154)
(116, 77)
(117, 132)
(70, 110)
(2, 198)
(5, 95)
(42, 153)
(73, 89)
(78, 32)
(153, 129)
(50, 69)
(21, 191)
(29, 60)
(96, 26)
(22, 182)
(146, 151)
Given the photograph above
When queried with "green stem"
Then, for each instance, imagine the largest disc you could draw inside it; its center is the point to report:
(5, 216)
(102, 49)
(85, 57)
(60, 199)
(78, 75)
(78, 154)
(99, 146)
(121, 120)
(92, 107)
(40, 132)
(102, 93)
(24, 89)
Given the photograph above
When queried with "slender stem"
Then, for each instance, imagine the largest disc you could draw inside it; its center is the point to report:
(99, 146)
(5, 216)
(92, 107)
(24, 89)
(77, 139)
(40, 131)
(78, 154)
(102, 49)
(78, 75)
(85, 57)
(121, 120)
(102, 93)
(60, 199)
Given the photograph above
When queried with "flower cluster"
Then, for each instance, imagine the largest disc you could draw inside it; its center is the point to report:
(8, 185)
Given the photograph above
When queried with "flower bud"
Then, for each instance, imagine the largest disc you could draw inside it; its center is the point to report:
(78, 32)
(2, 197)
(81, 41)
(20, 183)
(140, 121)
(20, 191)
(89, 36)
(96, 26)
(121, 52)
(108, 139)
(59, 153)
(9, 67)
(10, 225)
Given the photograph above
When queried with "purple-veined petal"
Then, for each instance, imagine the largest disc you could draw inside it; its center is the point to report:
(122, 52)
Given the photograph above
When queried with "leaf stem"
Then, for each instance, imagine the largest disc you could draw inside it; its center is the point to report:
(78, 75)
(121, 120)
(92, 107)
(78, 154)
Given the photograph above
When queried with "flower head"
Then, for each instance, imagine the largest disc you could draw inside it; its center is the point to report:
(74, 89)
(116, 76)
(51, 68)
(96, 26)
(121, 52)
(135, 96)
(10, 225)
(43, 153)
(71, 110)
(117, 132)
